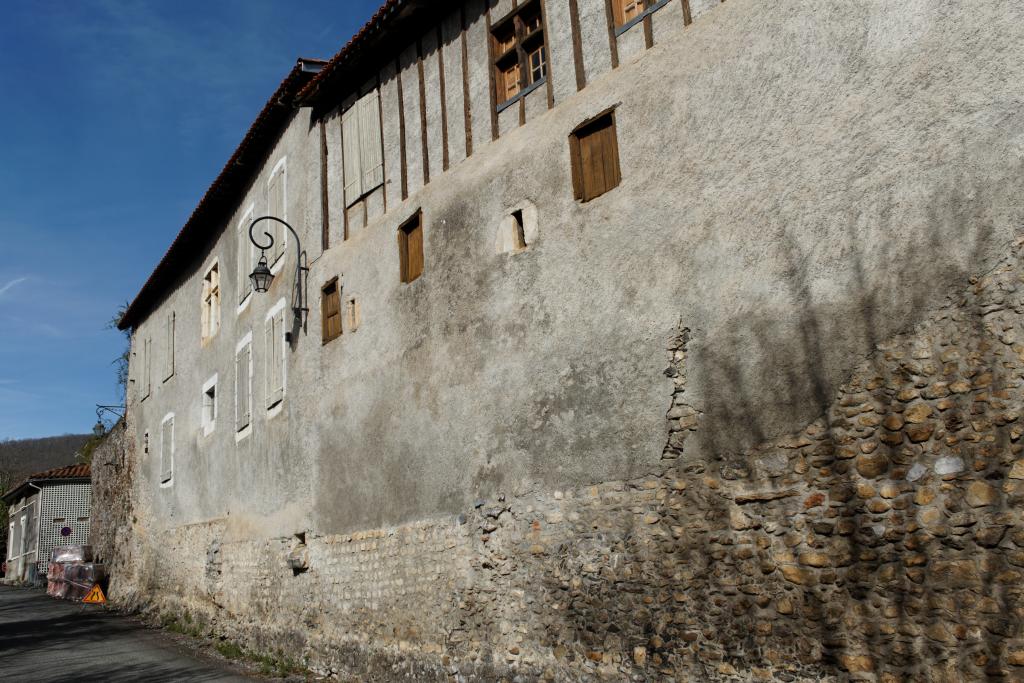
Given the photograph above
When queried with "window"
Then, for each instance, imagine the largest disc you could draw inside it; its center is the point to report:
(277, 188)
(246, 254)
(628, 12)
(362, 147)
(211, 302)
(330, 309)
(147, 374)
(169, 348)
(594, 151)
(410, 248)
(520, 54)
(145, 443)
(167, 450)
(352, 316)
(243, 385)
(210, 405)
(275, 370)
(517, 230)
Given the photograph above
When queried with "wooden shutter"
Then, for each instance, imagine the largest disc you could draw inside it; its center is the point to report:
(371, 156)
(169, 355)
(330, 309)
(275, 359)
(350, 150)
(276, 193)
(147, 362)
(243, 387)
(167, 450)
(410, 249)
(245, 263)
(595, 157)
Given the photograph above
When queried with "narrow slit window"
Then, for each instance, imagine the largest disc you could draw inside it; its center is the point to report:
(410, 248)
(352, 314)
(210, 405)
(330, 307)
(594, 151)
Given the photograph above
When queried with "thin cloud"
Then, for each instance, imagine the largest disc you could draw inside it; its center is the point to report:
(16, 281)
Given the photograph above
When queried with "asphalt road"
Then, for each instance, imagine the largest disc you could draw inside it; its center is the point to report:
(42, 639)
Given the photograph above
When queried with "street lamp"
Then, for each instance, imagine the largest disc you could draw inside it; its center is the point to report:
(262, 277)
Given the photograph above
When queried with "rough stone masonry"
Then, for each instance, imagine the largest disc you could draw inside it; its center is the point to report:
(721, 423)
(882, 542)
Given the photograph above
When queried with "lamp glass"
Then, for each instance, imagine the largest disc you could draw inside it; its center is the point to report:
(261, 277)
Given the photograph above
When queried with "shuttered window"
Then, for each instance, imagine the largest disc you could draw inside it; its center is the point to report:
(211, 302)
(330, 309)
(277, 200)
(147, 360)
(167, 449)
(519, 51)
(169, 346)
(275, 358)
(245, 257)
(627, 10)
(243, 387)
(410, 248)
(362, 147)
(594, 151)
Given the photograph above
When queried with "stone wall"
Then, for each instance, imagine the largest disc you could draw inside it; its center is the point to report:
(881, 542)
(112, 526)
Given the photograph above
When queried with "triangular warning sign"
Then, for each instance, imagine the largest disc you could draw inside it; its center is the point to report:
(95, 596)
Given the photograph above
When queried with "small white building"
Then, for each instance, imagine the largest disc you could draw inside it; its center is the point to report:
(47, 510)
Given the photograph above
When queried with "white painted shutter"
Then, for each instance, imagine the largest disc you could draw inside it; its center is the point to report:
(166, 450)
(242, 387)
(279, 356)
(245, 264)
(371, 155)
(350, 152)
(147, 367)
(276, 197)
(169, 356)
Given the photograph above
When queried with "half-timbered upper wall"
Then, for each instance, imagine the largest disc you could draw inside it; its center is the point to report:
(438, 98)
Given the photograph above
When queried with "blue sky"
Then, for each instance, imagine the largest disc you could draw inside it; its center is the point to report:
(116, 117)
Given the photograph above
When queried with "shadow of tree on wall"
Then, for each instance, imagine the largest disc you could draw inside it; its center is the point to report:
(882, 540)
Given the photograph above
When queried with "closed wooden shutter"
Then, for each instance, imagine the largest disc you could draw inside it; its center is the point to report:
(147, 366)
(169, 354)
(350, 151)
(276, 193)
(275, 359)
(245, 262)
(243, 386)
(371, 156)
(595, 153)
(167, 450)
(330, 308)
(410, 249)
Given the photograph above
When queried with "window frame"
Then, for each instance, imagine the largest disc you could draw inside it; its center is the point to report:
(245, 264)
(579, 188)
(277, 406)
(353, 118)
(209, 323)
(166, 483)
(279, 250)
(169, 329)
(650, 7)
(245, 430)
(522, 46)
(405, 231)
(326, 335)
(209, 422)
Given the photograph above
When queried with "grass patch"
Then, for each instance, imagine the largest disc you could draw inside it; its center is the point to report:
(230, 649)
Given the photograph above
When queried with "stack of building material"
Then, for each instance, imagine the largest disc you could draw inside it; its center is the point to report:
(72, 573)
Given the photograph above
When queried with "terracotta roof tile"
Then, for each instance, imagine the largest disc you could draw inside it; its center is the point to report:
(78, 471)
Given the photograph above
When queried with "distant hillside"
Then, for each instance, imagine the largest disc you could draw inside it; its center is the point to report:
(18, 459)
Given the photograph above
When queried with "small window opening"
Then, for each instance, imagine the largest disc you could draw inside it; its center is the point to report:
(352, 314)
(330, 308)
(518, 230)
(209, 408)
(594, 151)
(410, 249)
